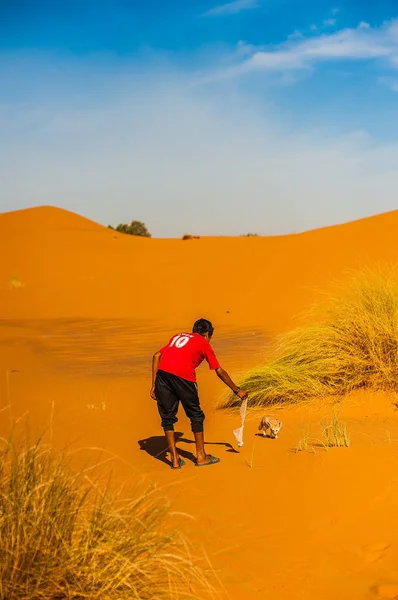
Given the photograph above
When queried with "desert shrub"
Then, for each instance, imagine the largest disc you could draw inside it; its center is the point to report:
(249, 235)
(63, 537)
(135, 228)
(349, 342)
(188, 236)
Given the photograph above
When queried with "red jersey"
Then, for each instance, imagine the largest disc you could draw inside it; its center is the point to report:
(184, 353)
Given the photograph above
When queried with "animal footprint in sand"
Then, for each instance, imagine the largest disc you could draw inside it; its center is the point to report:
(373, 552)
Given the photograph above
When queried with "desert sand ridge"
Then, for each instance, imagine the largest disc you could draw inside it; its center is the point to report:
(47, 216)
(69, 266)
(44, 217)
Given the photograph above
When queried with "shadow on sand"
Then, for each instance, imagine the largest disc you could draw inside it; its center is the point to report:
(156, 447)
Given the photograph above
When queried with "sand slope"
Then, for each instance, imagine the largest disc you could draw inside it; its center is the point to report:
(71, 267)
(83, 308)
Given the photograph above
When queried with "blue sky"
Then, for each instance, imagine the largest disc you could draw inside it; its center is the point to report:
(202, 117)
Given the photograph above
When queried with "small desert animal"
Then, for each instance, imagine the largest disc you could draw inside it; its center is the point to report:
(273, 425)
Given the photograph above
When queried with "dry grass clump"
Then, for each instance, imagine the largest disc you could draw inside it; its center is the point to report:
(303, 445)
(63, 537)
(350, 342)
(335, 434)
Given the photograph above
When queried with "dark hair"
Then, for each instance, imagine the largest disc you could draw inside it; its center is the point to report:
(203, 326)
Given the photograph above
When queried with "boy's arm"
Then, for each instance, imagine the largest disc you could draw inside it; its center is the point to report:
(155, 367)
(223, 375)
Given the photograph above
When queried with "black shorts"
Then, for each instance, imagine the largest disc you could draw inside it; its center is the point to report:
(170, 390)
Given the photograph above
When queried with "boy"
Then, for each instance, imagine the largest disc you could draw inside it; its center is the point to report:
(174, 380)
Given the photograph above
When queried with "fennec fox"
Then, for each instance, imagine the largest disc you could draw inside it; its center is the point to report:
(273, 425)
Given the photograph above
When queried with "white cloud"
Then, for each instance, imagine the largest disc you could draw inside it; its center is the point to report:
(361, 43)
(244, 49)
(232, 8)
(343, 44)
(335, 11)
(117, 146)
(330, 22)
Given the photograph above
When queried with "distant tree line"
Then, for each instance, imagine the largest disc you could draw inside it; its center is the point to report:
(140, 229)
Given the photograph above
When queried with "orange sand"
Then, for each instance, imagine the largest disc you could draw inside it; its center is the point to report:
(83, 308)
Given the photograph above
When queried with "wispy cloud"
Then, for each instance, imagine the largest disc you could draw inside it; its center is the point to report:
(360, 43)
(296, 35)
(232, 8)
(169, 150)
(330, 22)
(151, 148)
(390, 82)
(335, 10)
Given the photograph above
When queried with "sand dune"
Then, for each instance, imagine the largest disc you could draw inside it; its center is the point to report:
(83, 308)
(71, 267)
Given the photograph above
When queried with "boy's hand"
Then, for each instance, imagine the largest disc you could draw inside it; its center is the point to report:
(153, 395)
(242, 394)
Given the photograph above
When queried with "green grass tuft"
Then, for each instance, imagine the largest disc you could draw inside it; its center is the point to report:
(349, 342)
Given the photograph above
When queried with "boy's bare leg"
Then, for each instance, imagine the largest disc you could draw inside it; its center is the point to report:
(201, 455)
(171, 442)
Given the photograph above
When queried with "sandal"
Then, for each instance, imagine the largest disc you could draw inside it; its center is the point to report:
(182, 463)
(213, 461)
